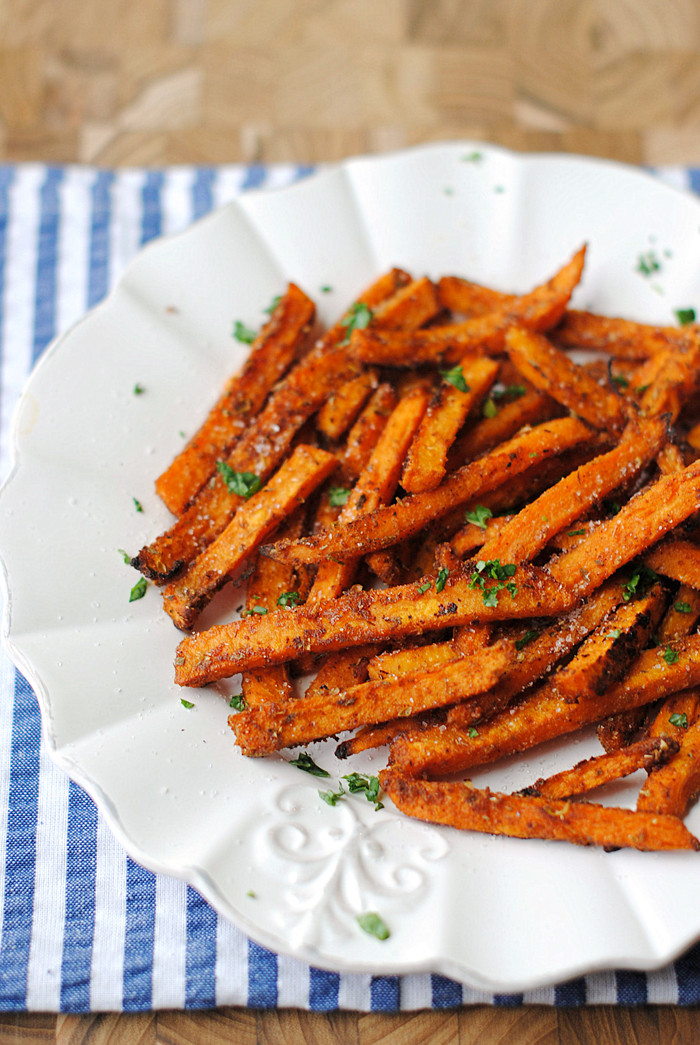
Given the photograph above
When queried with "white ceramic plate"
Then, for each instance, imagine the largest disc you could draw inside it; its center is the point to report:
(500, 914)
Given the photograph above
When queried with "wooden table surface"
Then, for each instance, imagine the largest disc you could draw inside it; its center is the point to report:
(118, 82)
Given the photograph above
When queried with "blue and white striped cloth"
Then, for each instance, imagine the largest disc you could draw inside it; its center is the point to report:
(83, 928)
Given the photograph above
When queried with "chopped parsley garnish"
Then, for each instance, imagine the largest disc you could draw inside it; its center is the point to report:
(243, 333)
(642, 389)
(358, 317)
(422, 588)
(307, 763)
(443, 574)
(612, 507)
(245, 484)
(371, 923)
(473, 157)
(614, 634)
(576, 533)
(273, 305)
(260, 610)
(127, 559)
(448, 190)
(508, 392)
(527, 637)
(489, 409)
(289, 598)
(648, 264)
(139, 589)
(326, 288)
(139, 390)
(369, 785)
(137, 504)
(455, 377)
(621, 381)
(338, 496)
(493, 569)
(679, 719)
(331, 797)
(670, 655)
(679, 607)
(251, 894)
(479, 515)
(473, 732)
(639, 582)
(186, 703)
(685, 316)
(238, 702)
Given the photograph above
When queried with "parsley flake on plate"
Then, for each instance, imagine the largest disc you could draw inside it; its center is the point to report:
(139, 589)
(306, 762)
(243, 333)
(371, 923)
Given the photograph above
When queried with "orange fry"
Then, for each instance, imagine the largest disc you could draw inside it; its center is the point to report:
(398, 521)
(260, 516)
(460, 390)
(551, 370)
(583, 823)
(265, 729)
(619, 337)
(272, 352)
(595, 772)
(341, 408)
(363, 435)
(640, 523)
(376, 486)
(677, 559)
(360, 617)
(539, 310)
(671, 788)
(529, 531)
(531, 409)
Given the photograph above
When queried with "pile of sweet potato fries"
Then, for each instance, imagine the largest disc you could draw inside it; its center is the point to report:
(477, 541)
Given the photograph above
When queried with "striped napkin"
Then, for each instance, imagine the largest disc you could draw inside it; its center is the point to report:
(82, 927)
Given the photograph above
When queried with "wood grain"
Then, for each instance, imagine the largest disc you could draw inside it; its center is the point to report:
(475, 1025)
(171, 81)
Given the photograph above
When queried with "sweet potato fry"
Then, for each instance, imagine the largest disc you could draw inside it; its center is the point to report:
(363, 435)
(300, 474)
(595, 772)
(375, 487)
(677, 559)
(361, 617)
(539, 310)
(568, 701)
(471, 299)
(529, 531)
(263, 730)
(671, 788)
(412, 660)
(619, 730)
(640, 523)
(681, 616)
(618, 337)
(272, 352)
(341, 408)
(268, 582)
(263, 446)
(408, 308)
(398, 521)
(461, 388)
(675, 714)
(583, 823)
(340, 671)
(675, 381)
(551, 370)
(531, 409)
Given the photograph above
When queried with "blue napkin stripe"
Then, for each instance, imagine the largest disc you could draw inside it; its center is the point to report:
(81, 865)
(20, 858)
(45, 301)
(99, 253)
(200, 961)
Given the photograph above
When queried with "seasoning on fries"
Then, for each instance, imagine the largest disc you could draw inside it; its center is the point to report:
(531, 515)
